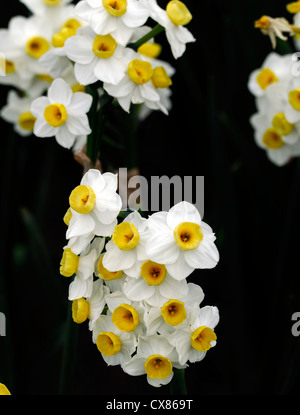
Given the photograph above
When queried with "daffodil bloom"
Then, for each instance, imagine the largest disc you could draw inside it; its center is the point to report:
(119, 18)
(126, 315)
(274, 27)
(269, 136)
(95, 205)
(181, 241)
(17, 112)
(155, 358)
(125, 251)
(196, 336)
(136, 86)
(155, 285)
(42, 7)
(275, 69)
(173, 19)
(62, 114)
(96, 301)
(96, 57)
(173, 312)
(115, 346)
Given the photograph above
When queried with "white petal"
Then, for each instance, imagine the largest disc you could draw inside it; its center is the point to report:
(43, 129)
(116, 260)
(94, 179)
(138, 289)
(78, 124)
(180, 269)
(183, 212)
(161, 248)
(79, 49)
(109, 70)
(135, 366)
(64, 136)
(80, 224)
(80, 102)
(159, 382)
(60, 92)
(38, 106)
(206, 255)
(85, 73)
(172, 288)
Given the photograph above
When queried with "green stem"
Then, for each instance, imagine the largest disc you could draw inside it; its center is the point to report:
(154, 32)
(178, 384)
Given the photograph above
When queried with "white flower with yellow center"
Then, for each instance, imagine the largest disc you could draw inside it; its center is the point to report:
(173, 19)
(278, 137)
(115, 346)
(292, 106)
(24, 42)
(96, 57)
(55, 59)
(114, 280)
(62, 114)
(173, 312)
(43, 7)
(136, 86)
(118, 18)
(126, 249)
(275, 69)
(194, 338)
(126, 315)
(156, 358)
(17, 112)
(181, 240)
(155, 285)
(94, 205)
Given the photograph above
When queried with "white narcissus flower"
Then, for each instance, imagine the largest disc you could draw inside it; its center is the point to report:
(116, 346)
(275, 69)
(279, 148)
(126, 249)
(136, 86)
(94, 207)
(173, 20)
(43, 7)
(119, 18)
(154, 285)
(156, 358)
(17, 112)
(181, 241)
(173, 312)
(195, 337)
(96, 57)
(62, 114)
(274, 27)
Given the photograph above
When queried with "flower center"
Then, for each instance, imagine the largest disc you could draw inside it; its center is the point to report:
(265, 78)
(281, 125)
(82, 199)
(158, 367)
(80, 310)
(115, 7)
(160, 78)
(125, 318)
(178, 13)
(26, 121)
(9, 67)
(56, 114)
(104, 46)
(51, 2)
(188, 235)
(125, 236)
(37, 46)
(151, 50)
(173, 312)
(68, 263)
(140, 71)
(108, 343)
(293, 7)
(272, 139)
(202, 337)
(68, 29)
(67, 217)
(262, 23)
(294, 98)
(105, 274)
(153, 273)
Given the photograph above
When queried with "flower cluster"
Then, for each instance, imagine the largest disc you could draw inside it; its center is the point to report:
(52, 57)
(130, 280)
(276, 88)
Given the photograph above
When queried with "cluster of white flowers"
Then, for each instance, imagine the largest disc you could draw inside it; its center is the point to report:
(60, 49)
(129, 280)
(276, 88)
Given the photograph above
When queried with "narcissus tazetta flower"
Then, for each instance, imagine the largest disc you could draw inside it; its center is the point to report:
(156, 358)
(118, 18)
(62, 114)
(181, 241)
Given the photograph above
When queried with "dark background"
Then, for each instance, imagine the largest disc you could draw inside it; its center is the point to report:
(252, 206)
